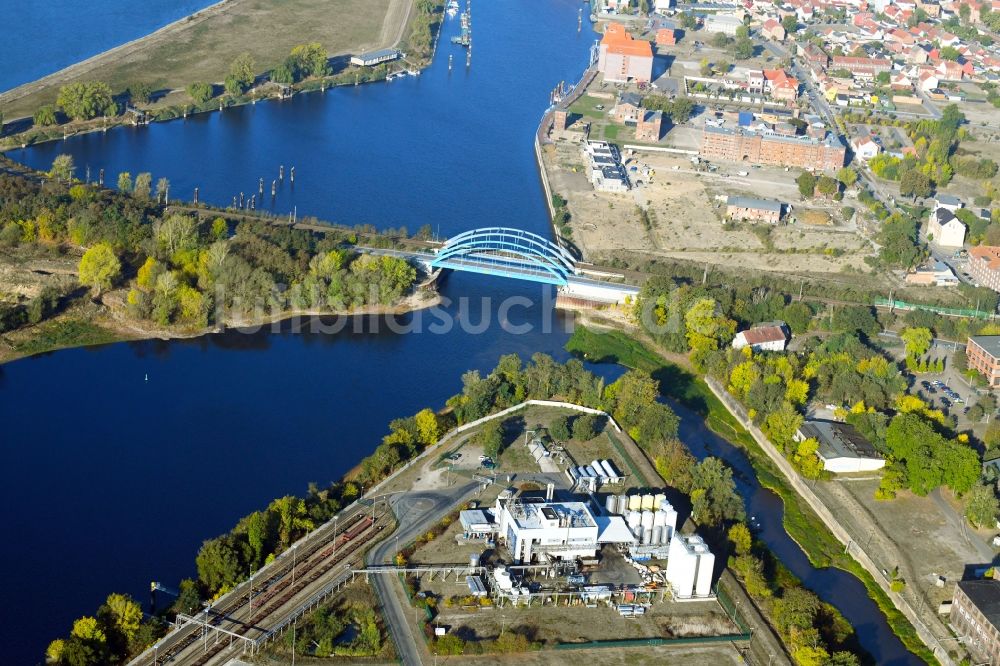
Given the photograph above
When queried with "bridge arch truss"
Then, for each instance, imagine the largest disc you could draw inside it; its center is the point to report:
(507, 252)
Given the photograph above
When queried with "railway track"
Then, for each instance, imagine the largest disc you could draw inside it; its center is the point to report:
(314, 559)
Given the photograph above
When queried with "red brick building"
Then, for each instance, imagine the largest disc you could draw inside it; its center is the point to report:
(983, 354)
(650, 127)
(867, 68)
(984, 266)
(975, 615)
(753, 147)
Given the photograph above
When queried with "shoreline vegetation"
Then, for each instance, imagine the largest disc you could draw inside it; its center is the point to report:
(84, 265)
(223, 562)
(116, 95)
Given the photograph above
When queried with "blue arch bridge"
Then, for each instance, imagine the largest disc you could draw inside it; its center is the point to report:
(521, 255)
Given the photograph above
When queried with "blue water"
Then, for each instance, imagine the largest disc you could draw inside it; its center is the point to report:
(124, 485)
(43, 37)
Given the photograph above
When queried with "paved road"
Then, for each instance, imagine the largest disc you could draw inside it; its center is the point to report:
(416, 512)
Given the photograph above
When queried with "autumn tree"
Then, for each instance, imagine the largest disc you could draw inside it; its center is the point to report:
(62, 168)
(86, 100)
(916, 340)
(99, 267)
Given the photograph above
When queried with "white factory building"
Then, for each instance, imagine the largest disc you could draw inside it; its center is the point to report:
(689, 567)
(538, 530)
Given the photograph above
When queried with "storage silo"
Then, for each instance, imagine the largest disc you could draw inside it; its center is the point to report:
(634, 520)
(635, 502)
(608, 469)
(647, 535)
(658, 500)
(657, 535)
(647, 502)
(611, 504)
(647, 520)
(596, 466)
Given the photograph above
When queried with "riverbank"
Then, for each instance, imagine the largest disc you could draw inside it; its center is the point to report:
(201, 46)
(89, 324)
(802, 523)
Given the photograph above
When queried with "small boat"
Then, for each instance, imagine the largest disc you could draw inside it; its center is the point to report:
(453, 5)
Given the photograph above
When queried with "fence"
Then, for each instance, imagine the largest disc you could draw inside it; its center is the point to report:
(938, 309)
(652, 642)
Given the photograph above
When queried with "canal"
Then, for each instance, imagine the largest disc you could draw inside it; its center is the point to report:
(120, 460)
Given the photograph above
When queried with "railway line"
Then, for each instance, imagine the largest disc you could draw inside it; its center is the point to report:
(245, 618)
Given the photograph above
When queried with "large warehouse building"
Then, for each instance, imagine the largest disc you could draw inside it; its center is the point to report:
(765, 147)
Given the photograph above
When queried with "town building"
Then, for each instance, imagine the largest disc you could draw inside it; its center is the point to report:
(866, 68)
(746, 209)
(372, 58)
(768, 147)
(984, 266)
(623, 58)
(983, 354)
(663, 6)
(606, 171)
(628, 109)
(975, 616)
(865, 147)
(944, 229)
(948, 202)
(650, 127)
(727, 24)
(477, 524)
(938, 274)
(667, 37)
(770, 336)
(814, 55)
(689, 567)
(842, 449)
(780, 86)
(773, 30)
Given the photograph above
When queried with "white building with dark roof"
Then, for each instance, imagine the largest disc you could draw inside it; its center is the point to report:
(771, 336)
(842, 448)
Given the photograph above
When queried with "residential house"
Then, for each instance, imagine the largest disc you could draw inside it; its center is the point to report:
(780, 86)
(948, 202)
(746, 209)
(623, 58)
(944, 229)
(865, 147)
(770, 336)
(628, 109)
(773, 30)
(814, 55)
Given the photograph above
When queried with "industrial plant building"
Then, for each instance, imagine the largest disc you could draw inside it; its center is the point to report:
(623, 58)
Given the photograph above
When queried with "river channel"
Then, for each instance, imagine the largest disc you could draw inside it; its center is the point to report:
(120, 460)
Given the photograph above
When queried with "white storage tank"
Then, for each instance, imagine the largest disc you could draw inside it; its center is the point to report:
(658, 500)
(647, 535)
(608, 469)
(634, 520)
(611, 504)
(657, 535)
(647, 520)
(635, 502)
(647, 502)
(596, 466)
(659, 519)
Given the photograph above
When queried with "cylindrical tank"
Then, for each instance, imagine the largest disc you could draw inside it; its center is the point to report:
(596, 466)
(622, 503)
(659, 519)
(611, 504)
(647, 535)
(647, 520)
(634, 520)
(647, 502)
(474, 560)
(635, 502)
(666, 534)
(658, 500)
(657, 535)
(608, 469)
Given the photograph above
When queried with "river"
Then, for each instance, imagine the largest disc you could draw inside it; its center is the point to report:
(121, 459)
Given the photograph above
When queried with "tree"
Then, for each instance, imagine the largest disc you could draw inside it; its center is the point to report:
(201, 92)
(162, 190)
(827, 186)
(675, 463)
(720, 40)
(790, 23)
(310, 60)
(143, 185)
(428, 429)
(584, 427)
(714, 497)
(743, 47)
(705, 67)
(283, 73)
(688, 20)
(139, 93)
(292, 518)
(739, 536)
(45, 116)
(189, 599)
(950, 53)
(981, 506)
(126, 615)
(86, 100)
(807, 184)
(560, 429)
(242, 74)
(99, 267)
(847, 176)
(218, 564)
(491, 439)
(62, 168)
(914, 183)
(916, 340)
(124, 182)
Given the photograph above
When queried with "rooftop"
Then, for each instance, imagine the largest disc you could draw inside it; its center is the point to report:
(989, 343)
(618, 40)
(537, 515)
(831, 140)
(985, 595)
(838, 440)
(988, 253)
(759, 204)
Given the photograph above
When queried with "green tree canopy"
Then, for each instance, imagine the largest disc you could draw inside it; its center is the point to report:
(86, 100)
(99, 267)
